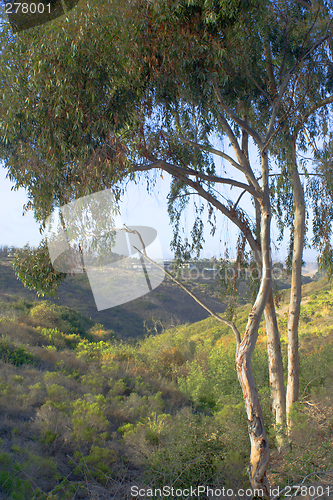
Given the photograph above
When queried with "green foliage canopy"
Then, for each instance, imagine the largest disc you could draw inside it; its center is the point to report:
(116, 89)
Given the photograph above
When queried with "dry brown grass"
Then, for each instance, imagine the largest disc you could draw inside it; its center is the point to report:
(21, 333)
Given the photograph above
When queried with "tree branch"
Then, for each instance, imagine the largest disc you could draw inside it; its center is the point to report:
(305, 4)
(242, 158)
(214, 151)
(175, 170)
(236, 118)
(212, 313)
(269, 66)
(253, 80)
(245, 140)
(231, 213)
(315, 6)
(312, 110)
(283, 88)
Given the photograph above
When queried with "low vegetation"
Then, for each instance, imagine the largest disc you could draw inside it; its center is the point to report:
(87, 415)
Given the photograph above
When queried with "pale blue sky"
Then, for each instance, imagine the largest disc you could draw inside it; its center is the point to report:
(15, 230)
(137, 208)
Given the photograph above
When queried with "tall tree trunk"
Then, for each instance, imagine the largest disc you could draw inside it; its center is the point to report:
(259, 444)
(296, 284)
(275, 364)
(275, 367)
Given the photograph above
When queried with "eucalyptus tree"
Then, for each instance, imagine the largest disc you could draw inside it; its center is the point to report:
(119, 94)
(303, 114)
(283, 86)
(294, 79)
(82, 116)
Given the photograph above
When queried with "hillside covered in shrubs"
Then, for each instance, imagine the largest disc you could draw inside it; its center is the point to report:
(86, 415)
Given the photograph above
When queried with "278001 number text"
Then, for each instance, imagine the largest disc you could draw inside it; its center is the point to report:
(26, 8)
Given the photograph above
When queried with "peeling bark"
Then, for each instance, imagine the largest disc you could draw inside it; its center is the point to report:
(259, 444)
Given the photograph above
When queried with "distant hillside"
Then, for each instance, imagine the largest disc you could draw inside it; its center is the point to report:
(310, 268)
(165, 306)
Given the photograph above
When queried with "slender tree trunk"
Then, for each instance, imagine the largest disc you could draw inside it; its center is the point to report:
(259, 444)
(275, 366)
(296, 285)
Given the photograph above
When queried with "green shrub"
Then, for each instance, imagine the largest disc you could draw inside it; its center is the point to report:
(65, 319)
(59, 339)
(118, 387)
(90, 425)
(97, 463)
(47, 437)
(210, 375)
(135, 406)
(99, 332)
(185, 451)
(93, 351)
(15, 355)
(15, 487)
(57, 397)
(125, 429)
(11, 483)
